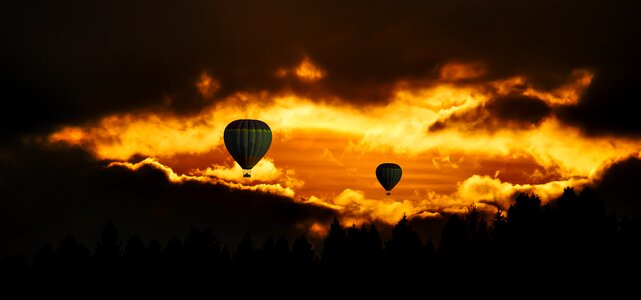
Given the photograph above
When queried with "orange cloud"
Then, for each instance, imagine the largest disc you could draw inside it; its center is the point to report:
(459, 71)
(265, 171)
(484, 192)
(207, 85)
(567, 94)
(326, 151)
(306, 70)
(274, 188)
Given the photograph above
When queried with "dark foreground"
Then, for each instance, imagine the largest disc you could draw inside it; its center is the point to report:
(571, 243)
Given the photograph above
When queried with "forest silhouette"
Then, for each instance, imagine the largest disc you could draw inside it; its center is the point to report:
(570, 235)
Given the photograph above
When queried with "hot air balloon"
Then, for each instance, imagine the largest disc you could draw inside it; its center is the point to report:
(388, 174)
(247, 141)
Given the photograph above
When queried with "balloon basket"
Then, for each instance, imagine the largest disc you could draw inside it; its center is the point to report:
(388, 193)
(247, 173)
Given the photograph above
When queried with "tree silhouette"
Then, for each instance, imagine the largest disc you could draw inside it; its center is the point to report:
(45, 262)
(245, 256)
(225, 258)
(568, 202)
(172, 257)
(334, 245)
(108, 250)
(267, 253)
(404, 248)
(569, 234)
(154, 262)
(525, 213)
(477, 235)
(454, 240)
(202, 250)
(13, 269)
(354, 246)
(281, 252)
(72, 256)
(154, 249)
(302, 254)
(135, 256)
(373, 245)
(430, 251)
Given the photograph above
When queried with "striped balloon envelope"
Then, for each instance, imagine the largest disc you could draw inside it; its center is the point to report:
(247, 141)
(388, 175)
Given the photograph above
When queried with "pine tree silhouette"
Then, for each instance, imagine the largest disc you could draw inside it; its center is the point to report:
(454, 240)
(405, 247)
(202, 251)
(245, 256)
(334, 245)
(73, 257)
(154, 249)
(45, 262)
(108, 250)
(282, 252)
(430, 251)
(135, 257)
(172, 257)
(373, 245)
(266, 254)
(303, 256)
(571, 235)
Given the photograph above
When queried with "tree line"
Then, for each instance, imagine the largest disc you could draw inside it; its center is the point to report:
(572, 232)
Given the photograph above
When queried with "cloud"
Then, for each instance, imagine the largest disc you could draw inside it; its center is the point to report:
(307, 71)
(83, 61)
(224, 176)
(456, 71)
(504, 112)
(207, 85)
(520, 109)
(513, 103)
(608, 106)
(122, 136)
(503, 81)
(492, 191)
(331, 146)
(486, 193)
(57, 190)
(618, 185)
(354, 207)
(265, 171)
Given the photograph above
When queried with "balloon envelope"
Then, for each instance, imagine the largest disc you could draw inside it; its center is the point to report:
(389, 174)
(247, 141)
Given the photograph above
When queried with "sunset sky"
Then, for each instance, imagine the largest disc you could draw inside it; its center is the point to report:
(475, 100)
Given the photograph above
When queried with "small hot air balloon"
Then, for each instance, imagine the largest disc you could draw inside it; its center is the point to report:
(247, 141)
(389, 174)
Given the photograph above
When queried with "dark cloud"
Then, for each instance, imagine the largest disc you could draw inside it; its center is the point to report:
(473, 119)
(520, 109)
(512, 111)
(619, 185)
(72, 61)
(50, 192)
(610, 104)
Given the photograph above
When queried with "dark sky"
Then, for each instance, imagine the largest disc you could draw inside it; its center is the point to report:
(72, 62)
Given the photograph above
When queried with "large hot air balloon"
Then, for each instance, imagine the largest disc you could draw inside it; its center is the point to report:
(247, 141)
(388, 174)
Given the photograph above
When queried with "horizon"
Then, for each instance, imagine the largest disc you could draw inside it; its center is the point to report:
(118, 112)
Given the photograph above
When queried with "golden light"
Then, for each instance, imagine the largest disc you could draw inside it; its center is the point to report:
(207, 85)
(455, 71)
(324, 152)
(307, 71)
(568, 94)
(274, 188)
